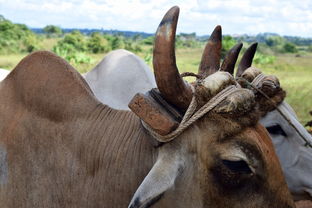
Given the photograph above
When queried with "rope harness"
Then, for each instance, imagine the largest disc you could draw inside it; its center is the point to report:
(255, 84)
(191, 116)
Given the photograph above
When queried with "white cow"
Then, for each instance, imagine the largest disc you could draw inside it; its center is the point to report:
(121, 74)
(295, 157)
(128, 74)
(3, 73)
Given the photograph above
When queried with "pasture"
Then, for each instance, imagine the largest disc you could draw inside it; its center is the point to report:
(294, 72)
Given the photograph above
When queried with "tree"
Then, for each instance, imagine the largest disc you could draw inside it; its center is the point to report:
(15, 38)
(227, 43)
(290, 48)
(117, 43)
(149, 40)
(52, 30)
(98, 44)
(72, 43)
(274, 41)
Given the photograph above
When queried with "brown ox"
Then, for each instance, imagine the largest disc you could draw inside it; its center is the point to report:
(60, 147)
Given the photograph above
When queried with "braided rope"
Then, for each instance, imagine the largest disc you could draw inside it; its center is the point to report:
(257, 80)
(191, 116)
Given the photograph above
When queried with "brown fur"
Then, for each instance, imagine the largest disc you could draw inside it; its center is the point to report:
(304, 204)
(57, 157)
(66, 149)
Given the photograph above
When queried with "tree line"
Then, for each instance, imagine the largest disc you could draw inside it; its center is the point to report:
(75, 45)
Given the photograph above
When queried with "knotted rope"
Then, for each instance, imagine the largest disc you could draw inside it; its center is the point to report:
(191, 116)
(255, 84)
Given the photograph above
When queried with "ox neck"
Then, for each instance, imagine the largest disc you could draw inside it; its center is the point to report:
(115, 146)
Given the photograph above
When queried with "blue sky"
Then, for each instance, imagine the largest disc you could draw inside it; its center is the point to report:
(286, 17)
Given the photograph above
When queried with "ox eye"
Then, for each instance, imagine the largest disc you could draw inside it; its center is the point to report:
(239, 166)
(276, 130)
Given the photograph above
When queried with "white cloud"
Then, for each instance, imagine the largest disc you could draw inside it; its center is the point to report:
(287, 17)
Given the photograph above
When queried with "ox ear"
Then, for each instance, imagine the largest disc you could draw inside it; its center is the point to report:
(160, 179)
(48, 86)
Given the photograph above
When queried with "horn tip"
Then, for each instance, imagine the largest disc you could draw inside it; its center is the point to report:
(175, 8)
(171, 16)
(254, 45)
(239, 46)
(173, 11)
(216, 35)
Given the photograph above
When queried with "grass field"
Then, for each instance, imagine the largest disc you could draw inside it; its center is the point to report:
(295, 74)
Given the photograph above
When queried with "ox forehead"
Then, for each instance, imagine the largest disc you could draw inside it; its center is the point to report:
(65, 149)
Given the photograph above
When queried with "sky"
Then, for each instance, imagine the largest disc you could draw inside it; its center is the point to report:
(285, 17)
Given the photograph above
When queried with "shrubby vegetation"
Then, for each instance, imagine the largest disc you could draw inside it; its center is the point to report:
(263, 59)
(187, 40)
(16, 38)
(98, 43)
(78, 47)
(227, 43)
(75, 45)
(280, 44)
(52, 31)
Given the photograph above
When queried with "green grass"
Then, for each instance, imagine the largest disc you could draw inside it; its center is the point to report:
(10, 61)
(295, 73)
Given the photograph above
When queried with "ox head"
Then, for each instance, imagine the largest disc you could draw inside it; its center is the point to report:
(289, 137)
(225, 158)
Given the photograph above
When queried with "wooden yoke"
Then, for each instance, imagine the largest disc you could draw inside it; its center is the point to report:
(155, 112)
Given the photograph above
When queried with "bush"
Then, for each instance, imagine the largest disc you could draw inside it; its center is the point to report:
(52, 30)
(227, 43)
(149, 40)
(16, 38)
(74, 57)
(289, 48)
(72, 48)
(72, 42)
(263, 59)
(117, 43)
(148, 59)
(274, 41)
(98, 44)
(132, 46)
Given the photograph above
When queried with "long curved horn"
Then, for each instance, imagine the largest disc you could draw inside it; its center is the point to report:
(169, 82)
(210, 61)
(230, 59)
(246, 60)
